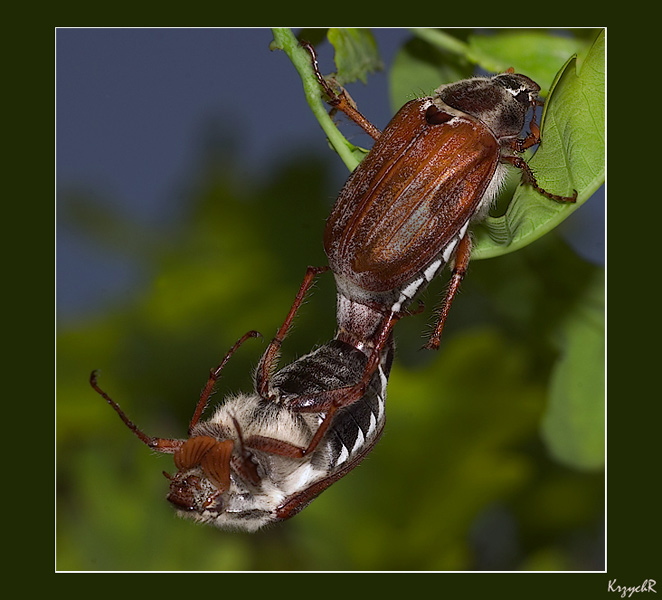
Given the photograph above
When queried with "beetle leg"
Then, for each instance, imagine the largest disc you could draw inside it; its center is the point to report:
(269, 360)
(214, 374)
(462, 255)
(274, 446)
(519, 145)
(335, 399)
(164, 445)
(340, 101)
(243, 464)
(520, 163)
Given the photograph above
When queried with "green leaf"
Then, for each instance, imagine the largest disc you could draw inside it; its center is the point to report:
(571, 156)
(573, 426)
(537, 54)
(356, 54)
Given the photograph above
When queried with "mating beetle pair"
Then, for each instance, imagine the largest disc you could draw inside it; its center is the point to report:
(403, 214)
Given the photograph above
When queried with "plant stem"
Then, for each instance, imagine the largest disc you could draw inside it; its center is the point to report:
(285, 40)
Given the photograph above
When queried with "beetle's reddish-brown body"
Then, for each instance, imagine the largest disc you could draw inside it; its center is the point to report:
(410, 196)
(405, 211)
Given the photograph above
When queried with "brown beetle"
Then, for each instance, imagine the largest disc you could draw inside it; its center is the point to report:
(262, 459)
(405, 211)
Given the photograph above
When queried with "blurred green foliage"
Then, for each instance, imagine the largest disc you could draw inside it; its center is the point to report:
(465, 476)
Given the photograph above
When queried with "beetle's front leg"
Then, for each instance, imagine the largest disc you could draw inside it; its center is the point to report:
(530, 178)
(340, 101)
(519, 145)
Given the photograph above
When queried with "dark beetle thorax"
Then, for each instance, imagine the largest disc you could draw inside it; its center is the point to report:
(501, 102)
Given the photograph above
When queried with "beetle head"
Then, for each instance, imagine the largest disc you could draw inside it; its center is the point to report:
(501, 102)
